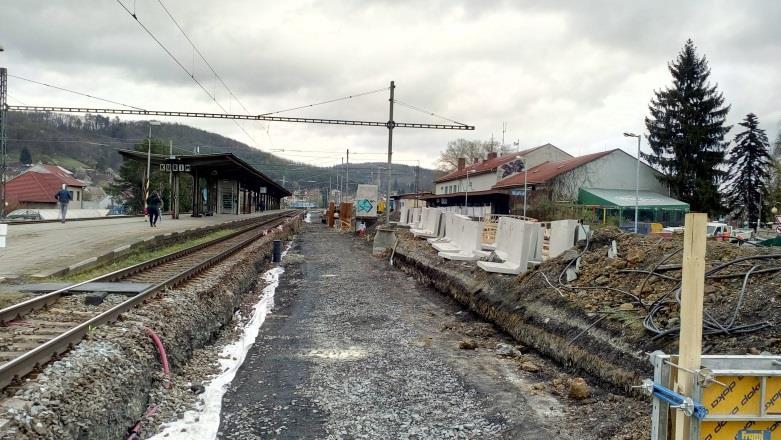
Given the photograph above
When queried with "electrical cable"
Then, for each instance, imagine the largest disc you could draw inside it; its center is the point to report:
(72, 91)
(412, 107)
(356, 95)
(711, 325)
(15, 99)
(190, 74)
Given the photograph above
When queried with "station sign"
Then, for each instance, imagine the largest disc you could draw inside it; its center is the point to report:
(175, 167)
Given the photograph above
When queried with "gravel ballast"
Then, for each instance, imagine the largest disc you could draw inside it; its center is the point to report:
(106, 383)
(356, 349)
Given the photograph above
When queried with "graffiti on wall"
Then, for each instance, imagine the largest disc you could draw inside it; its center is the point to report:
(510, 168)
(366, 201)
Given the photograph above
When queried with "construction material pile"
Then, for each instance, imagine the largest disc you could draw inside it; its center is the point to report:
(638, 287)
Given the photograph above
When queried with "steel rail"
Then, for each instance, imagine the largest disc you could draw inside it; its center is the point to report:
(27, 362)
(16, 311)
(120, 111)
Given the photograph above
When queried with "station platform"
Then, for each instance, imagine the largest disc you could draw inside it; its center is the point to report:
(45, 247)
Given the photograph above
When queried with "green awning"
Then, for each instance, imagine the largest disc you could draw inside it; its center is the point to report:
(623, 198)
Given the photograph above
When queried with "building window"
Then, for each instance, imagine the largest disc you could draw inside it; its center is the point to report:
(71, 194)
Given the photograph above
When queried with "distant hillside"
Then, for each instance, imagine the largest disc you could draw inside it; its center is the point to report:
(81, 143)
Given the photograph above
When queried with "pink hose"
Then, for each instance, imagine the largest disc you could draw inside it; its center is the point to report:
(163, 356)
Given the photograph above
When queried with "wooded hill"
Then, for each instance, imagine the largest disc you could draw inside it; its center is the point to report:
(90, 142)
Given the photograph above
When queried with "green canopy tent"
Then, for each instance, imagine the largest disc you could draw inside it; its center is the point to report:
(654, 207)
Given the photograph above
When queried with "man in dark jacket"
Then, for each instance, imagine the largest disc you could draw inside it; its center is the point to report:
(153, 203)
(63, 197)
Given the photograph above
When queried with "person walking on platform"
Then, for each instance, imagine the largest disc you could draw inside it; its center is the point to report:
(153, 203)
(63, 197)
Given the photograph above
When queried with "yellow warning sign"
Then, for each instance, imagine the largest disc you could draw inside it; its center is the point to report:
(740, 430)
(740, 396)
(773, 395)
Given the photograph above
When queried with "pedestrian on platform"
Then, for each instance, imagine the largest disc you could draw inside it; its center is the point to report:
(63, 197)
(153, 203)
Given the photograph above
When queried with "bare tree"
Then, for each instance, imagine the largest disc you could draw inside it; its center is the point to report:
(469, 149)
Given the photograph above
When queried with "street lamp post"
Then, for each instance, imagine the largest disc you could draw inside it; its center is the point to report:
(149, 161)
(466, 192)
(525, 184)
(637, 177)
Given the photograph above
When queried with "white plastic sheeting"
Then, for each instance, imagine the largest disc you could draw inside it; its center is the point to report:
(203, 422)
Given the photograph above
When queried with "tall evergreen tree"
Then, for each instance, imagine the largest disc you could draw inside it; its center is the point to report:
(25, 157)
(749, 171)
(686, 132)
(774, 197)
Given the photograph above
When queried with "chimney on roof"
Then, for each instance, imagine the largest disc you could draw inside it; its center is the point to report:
(491, 155)
(461, 163)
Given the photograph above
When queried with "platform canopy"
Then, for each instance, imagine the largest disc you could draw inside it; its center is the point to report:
(624, 198)
(217, 165)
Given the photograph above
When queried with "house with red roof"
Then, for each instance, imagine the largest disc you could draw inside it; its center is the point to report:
(560, 179)
(35, 188)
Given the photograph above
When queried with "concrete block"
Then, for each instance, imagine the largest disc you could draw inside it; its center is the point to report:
(87, 264)
(121, 251)
(106, 258)
(50, 273)
(384, 239)
(562, 236)
(95, 298)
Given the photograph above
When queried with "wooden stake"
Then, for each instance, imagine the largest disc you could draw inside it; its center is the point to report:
(692, 288)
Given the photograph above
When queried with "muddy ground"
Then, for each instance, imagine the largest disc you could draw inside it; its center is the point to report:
(605, 310)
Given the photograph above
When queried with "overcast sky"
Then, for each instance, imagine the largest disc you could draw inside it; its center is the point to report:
(575, 74)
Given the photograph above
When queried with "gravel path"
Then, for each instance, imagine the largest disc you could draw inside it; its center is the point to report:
(355, 349)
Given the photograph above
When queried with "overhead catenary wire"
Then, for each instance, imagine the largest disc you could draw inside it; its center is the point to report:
(15, 99)
(72, 91)
(430, 113)
(329, 101)
(179, 63)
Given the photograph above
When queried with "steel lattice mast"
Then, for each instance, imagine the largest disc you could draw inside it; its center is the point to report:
(390, 124)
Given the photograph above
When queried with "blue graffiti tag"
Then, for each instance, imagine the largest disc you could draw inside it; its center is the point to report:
(364, 205)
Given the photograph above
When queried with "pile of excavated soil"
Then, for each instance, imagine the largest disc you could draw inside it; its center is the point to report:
(647, 271)
(617, 293)
(595, 324)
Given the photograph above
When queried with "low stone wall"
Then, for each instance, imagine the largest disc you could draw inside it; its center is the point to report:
(534, 315)
(102, 387)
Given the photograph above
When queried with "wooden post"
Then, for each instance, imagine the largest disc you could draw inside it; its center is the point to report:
(692, 287)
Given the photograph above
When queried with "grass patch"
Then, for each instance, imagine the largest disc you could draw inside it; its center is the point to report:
(135, 258)
(10, 298)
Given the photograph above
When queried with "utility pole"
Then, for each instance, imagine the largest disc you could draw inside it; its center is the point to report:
(504, 130)
(417, 180)
(390, 126)
(3, 148)
(347, 178)
(171, 177)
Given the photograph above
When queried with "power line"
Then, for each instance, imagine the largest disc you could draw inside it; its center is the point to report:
(16, 99)
(73, 91)
(189, 40)
(326, 102)
(176, 60)
(208, 64)
(412, 107)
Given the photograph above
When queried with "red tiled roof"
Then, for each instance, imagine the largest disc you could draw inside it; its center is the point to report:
(484, 166)
(548, 170)
(63, 174)
(39, 184)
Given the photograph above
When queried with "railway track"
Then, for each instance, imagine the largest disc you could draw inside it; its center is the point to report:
(36, 331)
